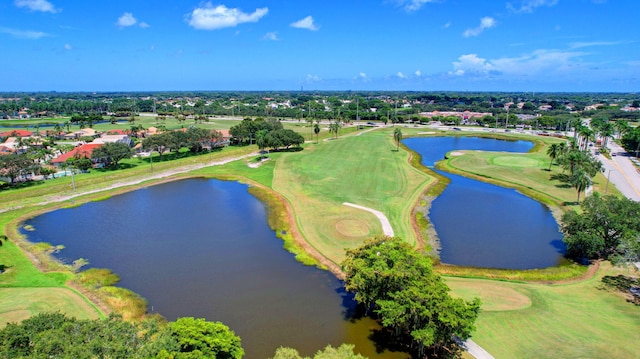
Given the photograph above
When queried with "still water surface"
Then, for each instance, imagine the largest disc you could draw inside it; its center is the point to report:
(203, 248)
(484, 225)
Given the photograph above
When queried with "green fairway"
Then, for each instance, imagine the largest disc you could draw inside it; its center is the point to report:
(576, 320)
(365, 170)
(528, 173)
(17, 304)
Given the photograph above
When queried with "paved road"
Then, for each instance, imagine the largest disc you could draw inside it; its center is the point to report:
(621, 172)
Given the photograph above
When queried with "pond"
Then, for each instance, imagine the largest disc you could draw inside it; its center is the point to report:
(484, 225)
(203, 248)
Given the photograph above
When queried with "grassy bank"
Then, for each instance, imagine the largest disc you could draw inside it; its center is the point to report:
(583, 319)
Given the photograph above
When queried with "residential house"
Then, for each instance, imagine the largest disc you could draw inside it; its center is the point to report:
(16, 133)
(113, 139)
(82, 151)
(84, 132)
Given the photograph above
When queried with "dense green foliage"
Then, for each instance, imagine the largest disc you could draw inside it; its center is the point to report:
(112, 153)
(607, 227)
(15, 165)
(408, 297)
(53, 335)
(344, 351)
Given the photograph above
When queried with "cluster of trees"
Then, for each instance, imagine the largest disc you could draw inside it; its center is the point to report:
(344, 351)
(266, 134)
(15, 165)
(54, 335)
(365, 105)
(110, 154)
(631, 141)
(196, 139)
(607, 227)
(580, 163)
(410, 300)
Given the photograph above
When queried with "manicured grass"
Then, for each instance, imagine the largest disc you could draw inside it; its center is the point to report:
(575, 320)
(17, 304)
(131, 169)
(365, 170)
(528, 173)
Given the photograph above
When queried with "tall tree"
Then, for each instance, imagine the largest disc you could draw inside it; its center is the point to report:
(580, 180)
(397, 136)
(389, 277)
(603, 224)
(554, 152)
(112, 153)
(316, 130)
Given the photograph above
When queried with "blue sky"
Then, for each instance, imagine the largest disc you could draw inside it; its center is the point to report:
(418, 45)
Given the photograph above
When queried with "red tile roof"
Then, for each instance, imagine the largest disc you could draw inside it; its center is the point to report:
(16, 133)
(80, 151)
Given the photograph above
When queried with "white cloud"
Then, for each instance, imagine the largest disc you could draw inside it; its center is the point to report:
(306, 23)
(126, 20)
(578, 45)
(362, 75)
(412, 5)
(528, 6)
(532, 65)
(271, 36)
(485, 23)
(313, 78)
(418, 73)
(401, 75)
(23, 34)
(447, 25)
(471, 64)
(209, 17)
(37, 5)
(68, 47)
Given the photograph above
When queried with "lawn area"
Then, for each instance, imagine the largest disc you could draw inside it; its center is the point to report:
(365, 170)
(575, 320)
(131, 169)
(17, 304)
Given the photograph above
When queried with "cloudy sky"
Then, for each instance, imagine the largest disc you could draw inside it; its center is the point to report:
(419, 45)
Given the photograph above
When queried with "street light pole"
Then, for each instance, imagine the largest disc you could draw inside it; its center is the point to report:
(606, 188)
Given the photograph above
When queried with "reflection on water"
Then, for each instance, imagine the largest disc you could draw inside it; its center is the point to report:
(202, 248)
(484, 225)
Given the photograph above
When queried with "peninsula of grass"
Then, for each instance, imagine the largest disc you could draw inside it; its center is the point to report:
(529, 173)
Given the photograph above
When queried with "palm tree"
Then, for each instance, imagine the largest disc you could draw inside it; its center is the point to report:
(580, 180)
(622, 127)
(316, 130)
(585, 134)
(554, 152)
(606, 131)
(397, 136)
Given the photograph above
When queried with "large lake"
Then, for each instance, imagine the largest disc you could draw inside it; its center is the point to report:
(203, 248)
(484, 225)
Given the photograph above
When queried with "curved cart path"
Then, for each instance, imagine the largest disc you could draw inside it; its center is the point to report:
(469, 345)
